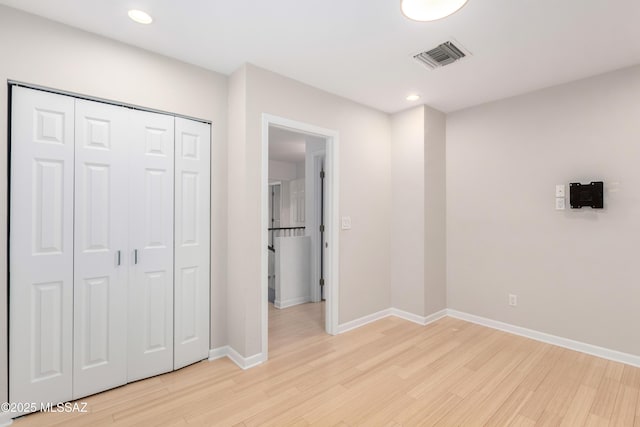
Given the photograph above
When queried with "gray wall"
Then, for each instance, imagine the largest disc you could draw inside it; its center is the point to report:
(418, 197)
(435, 238)
(407, 211)
(42, 52)
(575, 271)
(237, 278)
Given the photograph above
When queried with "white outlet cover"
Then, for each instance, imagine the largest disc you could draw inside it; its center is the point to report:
(560, 203)
(346, 223)
(560, 190)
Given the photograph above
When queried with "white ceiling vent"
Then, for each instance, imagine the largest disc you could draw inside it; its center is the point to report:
(444, 54)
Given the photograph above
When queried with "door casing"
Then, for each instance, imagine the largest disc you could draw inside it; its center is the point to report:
(332, 138)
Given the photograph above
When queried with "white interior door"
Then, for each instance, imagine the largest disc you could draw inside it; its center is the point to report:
(151, 179)
(316, 218)
(101, 241)
(41, 247)
(192, 241)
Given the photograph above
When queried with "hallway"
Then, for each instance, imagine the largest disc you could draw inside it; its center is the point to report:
(290, 325)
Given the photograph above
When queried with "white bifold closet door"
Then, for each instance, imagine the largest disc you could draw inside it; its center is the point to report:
(101, 242)
(150, 323)
(109, 245)
(41, 247)
(192, 241)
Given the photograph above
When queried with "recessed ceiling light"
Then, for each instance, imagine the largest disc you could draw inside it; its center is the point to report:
(140, 17)
(413, 97)
(430, 10)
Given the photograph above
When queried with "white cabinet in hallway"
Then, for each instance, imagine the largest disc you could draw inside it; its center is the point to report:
(109, 245)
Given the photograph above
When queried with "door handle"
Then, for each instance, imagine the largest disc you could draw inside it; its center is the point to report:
(118, 257)
(135, 256)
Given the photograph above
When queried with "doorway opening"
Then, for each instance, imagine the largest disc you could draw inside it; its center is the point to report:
(299, 217)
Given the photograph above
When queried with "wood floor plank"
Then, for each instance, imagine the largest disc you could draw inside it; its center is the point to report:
(522, 421)
(605, 399)
(579, 407)
(596, 421)
(624, 411)
(508, 411)
(543, 395)
(388, 373)
(637, 419)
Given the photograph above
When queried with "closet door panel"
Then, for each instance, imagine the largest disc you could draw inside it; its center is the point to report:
(151, 168)
(41, 247)
(192, 241)
(101, 229)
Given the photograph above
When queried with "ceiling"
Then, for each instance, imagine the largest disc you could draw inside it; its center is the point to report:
(361, 49)
(288, 146)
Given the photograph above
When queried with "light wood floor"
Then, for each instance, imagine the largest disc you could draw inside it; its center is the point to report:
(388, 373)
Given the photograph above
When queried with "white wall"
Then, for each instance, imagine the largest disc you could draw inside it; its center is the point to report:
(237, 206)
(435, 237)
(292, 270)
(285, 202)
(282, 171)
(418, 239)
(42, 52)
(575, 271)
(300, 170)
(364, 163)
(407, 211)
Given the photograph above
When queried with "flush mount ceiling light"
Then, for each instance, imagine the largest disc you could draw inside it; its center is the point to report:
(413, 97)
(140, 17)
(430, 10)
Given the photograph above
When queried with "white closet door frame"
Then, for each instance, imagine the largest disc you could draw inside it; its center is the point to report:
(121, 317)
(192, 241)
(101, 242)
(41, 247)
(151, 185)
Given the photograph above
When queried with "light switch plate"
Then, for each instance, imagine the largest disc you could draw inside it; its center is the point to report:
(560, 203)
(346, 223)
(560, 190)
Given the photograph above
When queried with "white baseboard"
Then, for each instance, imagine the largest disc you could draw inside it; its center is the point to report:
(594, 350)
(354, 324)
(605, 353)
(237, 358)
(420, 320)
(291, 302)
(5, 419)
(218, 353)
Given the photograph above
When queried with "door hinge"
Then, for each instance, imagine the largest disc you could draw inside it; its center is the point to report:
(322, 228)
(321, 282)
(321, 174)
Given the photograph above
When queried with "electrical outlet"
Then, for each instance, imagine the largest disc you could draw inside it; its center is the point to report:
(513, 300)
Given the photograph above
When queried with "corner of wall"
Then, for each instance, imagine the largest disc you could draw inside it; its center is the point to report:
(435, 264)
(236, 208)
(407, 211)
